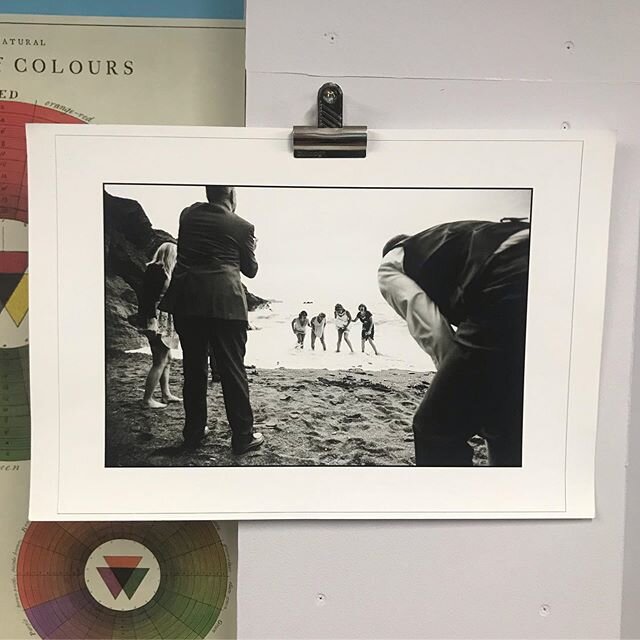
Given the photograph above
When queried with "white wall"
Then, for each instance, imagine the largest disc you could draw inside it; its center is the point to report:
(461, 64)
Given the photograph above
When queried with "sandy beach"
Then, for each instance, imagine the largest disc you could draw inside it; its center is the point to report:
(308, 416)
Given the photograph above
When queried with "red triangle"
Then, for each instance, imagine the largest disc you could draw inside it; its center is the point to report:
(123, 562)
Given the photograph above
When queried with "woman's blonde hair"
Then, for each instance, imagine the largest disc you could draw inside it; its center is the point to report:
(166, 255)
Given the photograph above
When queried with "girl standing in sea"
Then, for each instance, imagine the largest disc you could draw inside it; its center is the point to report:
(366, 317)
(342, 319)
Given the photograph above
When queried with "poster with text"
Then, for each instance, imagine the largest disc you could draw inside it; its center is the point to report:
(92, 70)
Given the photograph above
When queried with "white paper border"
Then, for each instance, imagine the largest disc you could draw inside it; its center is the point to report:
(571, 176)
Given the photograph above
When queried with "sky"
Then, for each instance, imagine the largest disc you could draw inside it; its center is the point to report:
(325, 244)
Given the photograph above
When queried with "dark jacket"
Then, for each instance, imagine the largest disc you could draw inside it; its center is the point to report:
(483, 293)
(214, 247)
(153, 284)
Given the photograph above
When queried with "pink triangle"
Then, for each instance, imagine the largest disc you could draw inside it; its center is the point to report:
(110, 580)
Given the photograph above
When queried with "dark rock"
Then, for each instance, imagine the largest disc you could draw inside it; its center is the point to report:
(255, 302)
(129, 243)
(130, 240)
(121, 306)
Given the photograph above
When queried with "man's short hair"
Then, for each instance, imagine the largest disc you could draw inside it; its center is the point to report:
(218, 193)
(396, 241)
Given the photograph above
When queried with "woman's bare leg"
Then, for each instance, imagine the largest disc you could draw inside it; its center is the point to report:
(159, 354)
(346, 339)
(373, 344)
(167, 396)
(339, 341)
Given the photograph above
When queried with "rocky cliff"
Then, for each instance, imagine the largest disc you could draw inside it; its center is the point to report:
(129, 243)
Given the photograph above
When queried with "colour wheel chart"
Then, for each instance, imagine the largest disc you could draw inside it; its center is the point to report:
(122, 580)
(14, 302)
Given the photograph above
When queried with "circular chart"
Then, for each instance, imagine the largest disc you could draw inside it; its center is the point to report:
(95, 580)
(14, 273)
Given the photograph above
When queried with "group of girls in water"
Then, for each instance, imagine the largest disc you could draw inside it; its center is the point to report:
(342, 320)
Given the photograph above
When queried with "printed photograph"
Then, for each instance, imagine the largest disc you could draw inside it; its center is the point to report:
(314, 326)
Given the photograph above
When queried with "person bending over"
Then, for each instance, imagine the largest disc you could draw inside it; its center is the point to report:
(299, 325)
(462, 289)
(318, 325)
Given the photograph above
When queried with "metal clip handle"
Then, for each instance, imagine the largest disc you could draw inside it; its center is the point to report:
(330, 139)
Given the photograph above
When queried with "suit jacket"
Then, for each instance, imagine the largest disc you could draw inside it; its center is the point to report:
(482, 292)
(214, 247)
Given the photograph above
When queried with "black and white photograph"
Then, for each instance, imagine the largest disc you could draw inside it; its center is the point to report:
(314, 326)
(414, 334)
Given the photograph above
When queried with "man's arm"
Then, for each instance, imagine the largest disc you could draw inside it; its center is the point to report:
(248, 262)
(428, 327)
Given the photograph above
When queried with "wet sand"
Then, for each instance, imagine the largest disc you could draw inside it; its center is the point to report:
(308, 417)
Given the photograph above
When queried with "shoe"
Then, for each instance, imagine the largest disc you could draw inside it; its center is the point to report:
(256, 441)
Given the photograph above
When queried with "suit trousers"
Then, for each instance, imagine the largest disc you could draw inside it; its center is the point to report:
(474, 392)
(227, 339)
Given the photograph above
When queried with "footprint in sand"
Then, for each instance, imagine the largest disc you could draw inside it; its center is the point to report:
(383, 409)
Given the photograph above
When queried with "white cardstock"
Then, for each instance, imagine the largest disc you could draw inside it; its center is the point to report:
(569, 177)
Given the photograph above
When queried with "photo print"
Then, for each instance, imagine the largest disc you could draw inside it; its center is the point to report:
(314, 326)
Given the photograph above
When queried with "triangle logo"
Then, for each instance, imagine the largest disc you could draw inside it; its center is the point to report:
(122, 574)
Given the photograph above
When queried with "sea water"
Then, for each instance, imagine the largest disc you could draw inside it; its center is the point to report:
(271, 342)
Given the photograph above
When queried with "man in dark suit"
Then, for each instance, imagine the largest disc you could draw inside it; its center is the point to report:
(462, 288)
(209, 306)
